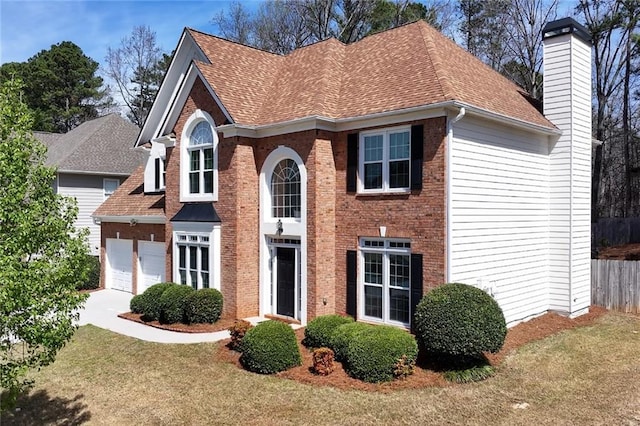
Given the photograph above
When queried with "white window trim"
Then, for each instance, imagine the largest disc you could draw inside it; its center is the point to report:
(294, 228)
(104, 186)
(386, 250)
(385, 161)
(191, 123)
(207, 230)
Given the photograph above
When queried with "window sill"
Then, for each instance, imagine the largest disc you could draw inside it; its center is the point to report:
(399, 193)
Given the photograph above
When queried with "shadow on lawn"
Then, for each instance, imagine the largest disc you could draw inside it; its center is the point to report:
(39, 408)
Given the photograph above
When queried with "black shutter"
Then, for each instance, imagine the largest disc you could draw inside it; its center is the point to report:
(157, 173)
(352, 162)
(352, 282)
(416, 284)
(417, 154)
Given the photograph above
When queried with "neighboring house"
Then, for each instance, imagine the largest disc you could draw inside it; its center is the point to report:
(354, 178)
(92, 160)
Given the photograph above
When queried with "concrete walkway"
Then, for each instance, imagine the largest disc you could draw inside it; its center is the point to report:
(102, 309)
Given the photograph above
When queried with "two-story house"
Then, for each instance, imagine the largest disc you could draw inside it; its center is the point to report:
(354, 178)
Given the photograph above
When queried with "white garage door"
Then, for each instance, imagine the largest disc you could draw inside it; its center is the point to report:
(152, 264)
(120, 267)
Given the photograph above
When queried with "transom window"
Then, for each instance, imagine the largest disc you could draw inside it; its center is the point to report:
(193, 260)
(200, 151)
(386, 280)
(385, 157)
(285, 190)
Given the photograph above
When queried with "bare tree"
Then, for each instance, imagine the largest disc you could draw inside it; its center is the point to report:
(235, 24)
(134, 67)
(526, 20)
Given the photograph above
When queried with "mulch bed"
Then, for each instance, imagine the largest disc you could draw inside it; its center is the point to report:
(535, 329)
(220, 325)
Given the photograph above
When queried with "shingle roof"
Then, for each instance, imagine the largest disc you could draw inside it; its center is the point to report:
(102, 145)
(130, 200)
(409, 66)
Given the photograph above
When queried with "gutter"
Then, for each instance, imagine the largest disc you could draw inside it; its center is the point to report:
(131, 220)
(450, 122)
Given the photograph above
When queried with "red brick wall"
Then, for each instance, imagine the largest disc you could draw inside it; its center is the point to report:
(419, 216)
(138, 232)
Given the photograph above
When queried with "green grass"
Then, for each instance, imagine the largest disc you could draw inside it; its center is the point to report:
(587, 375)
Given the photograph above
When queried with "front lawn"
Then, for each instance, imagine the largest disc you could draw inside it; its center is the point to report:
(588, 375)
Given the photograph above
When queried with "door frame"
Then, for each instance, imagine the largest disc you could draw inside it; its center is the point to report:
(282, 228)
(274, 244)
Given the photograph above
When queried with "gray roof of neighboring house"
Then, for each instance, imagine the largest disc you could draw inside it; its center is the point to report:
(100, 146)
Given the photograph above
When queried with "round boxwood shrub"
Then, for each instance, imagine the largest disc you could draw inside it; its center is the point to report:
(459, 320)
(135, 305)
(173, 304)
(319, 331)
(150, 301)
(204, 305)
(270, 347)
(374, 353)
(93, 277)
(343, 335)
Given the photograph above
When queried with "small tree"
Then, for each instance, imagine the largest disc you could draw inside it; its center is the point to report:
(42, 256)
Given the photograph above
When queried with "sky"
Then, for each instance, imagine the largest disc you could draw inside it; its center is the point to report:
(29, 26)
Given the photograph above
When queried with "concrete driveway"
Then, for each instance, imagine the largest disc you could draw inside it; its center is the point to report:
(102, 309)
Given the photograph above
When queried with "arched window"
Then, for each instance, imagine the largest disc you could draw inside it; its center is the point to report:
(200, 152)
(285, 190)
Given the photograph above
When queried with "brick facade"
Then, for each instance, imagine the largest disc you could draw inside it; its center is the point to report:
(335, 218)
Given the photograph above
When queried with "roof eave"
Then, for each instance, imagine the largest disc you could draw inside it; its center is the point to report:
(385, 118)
(93, 172)
(130, 219)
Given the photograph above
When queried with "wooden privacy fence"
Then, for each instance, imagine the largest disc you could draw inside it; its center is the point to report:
(615, 284)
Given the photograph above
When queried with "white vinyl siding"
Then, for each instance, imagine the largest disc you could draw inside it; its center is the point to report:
(568, 106)
(88, 190)
(500, 215)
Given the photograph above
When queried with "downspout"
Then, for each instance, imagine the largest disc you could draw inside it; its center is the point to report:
(450, 123)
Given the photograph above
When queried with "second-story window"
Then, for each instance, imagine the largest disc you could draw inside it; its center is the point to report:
(201, 159)
(285, 190)
(385, 157)
(198, 159)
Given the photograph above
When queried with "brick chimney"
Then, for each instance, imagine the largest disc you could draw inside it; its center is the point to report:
(567, 104)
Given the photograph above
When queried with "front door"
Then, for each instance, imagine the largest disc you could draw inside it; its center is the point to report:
(286, 281)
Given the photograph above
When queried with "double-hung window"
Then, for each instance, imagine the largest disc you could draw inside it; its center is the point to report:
(386, 280)
(200, 151)
(385, 160)
(198, 159)
(193, 259)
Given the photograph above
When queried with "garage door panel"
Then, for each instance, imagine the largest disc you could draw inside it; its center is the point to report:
(120, 265)
(152, 264)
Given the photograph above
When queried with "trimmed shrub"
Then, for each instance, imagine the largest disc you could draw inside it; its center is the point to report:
(270, 347)
(323, 361)
(343, 335)
(373, 354)
(135, 305)
(150, 301)
(173, 304)
(237, 332)
(204, 305)
(93, 277)
(459, 320)
(319, 331)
